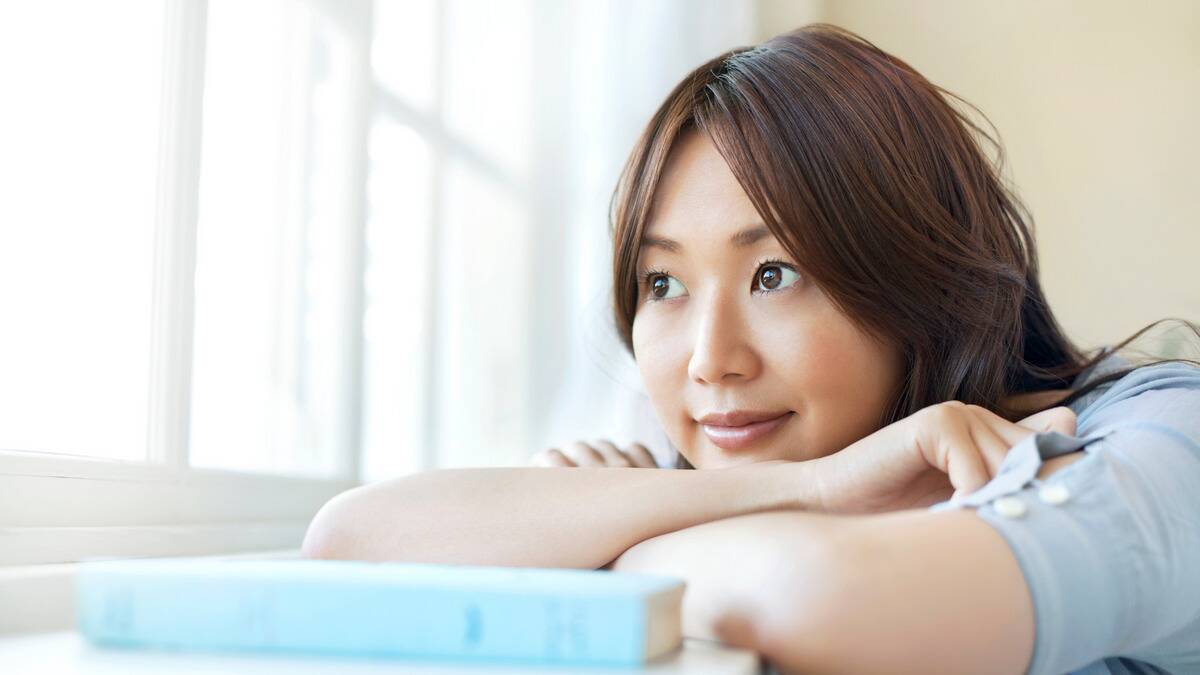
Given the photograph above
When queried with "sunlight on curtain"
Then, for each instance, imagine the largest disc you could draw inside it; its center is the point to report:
(531, 109)
(396, 344)
(626, 57)
(268, 367)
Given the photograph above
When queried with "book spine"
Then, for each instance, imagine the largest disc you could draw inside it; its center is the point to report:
(207, 613)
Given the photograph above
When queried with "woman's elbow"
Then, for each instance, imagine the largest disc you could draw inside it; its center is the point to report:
(797, 625)
(328, 535)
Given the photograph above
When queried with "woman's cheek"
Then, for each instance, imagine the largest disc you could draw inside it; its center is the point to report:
(651, 347)
(831, 372)
(656, 352)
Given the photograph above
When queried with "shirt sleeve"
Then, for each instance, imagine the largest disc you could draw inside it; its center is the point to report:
(1109, 545)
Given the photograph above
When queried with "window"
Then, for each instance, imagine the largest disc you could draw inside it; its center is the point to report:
(254, 253)
(181, 263)
(450, 224)
(77, 225)
(278, 270)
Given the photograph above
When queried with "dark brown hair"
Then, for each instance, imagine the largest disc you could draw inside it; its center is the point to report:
(879, 183)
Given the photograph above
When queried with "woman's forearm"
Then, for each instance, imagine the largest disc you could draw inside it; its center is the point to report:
(543, 517)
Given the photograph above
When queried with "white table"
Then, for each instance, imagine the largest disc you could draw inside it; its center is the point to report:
(67, 652)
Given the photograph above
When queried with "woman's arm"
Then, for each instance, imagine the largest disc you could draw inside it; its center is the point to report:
(1093, 556)
(936, 592)
(543, 517)
(909, 591)
(933, 592)
(586, 517)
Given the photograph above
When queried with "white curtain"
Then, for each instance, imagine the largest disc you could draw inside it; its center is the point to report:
(621, 59)
(499, 131)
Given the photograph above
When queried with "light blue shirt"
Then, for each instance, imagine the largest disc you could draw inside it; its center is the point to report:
(1109, 545)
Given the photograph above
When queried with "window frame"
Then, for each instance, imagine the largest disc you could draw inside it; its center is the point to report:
(62, 508)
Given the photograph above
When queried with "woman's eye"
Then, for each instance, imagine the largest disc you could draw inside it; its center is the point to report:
(774, 277)
(663, 287)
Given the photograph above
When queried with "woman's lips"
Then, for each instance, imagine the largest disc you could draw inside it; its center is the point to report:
(736, 438)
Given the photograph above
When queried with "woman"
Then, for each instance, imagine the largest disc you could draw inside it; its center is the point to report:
(832, 298)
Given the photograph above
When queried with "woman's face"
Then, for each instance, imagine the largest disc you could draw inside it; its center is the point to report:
(727, 322)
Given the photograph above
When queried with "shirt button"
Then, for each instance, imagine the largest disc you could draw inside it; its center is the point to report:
(1054, 494)
(1009, 507)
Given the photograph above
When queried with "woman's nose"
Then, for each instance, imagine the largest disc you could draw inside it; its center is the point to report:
(722, 349)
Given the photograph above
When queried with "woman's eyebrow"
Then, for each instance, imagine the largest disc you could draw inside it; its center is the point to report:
(743, 238)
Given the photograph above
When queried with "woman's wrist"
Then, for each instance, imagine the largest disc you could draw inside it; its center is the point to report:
(780, 484)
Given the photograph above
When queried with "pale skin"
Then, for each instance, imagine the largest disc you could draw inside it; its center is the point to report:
(811, 546)
(711, 339)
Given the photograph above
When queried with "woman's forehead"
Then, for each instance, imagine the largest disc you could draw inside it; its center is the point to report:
(741, 238)
(698, 196)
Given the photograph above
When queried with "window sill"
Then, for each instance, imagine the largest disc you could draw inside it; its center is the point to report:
(43, 595)
(39, 546)
(42, 492)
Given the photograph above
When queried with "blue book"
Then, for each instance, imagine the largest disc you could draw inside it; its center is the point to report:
(411, 610)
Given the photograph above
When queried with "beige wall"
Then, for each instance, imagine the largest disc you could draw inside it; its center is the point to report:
(1098, 107)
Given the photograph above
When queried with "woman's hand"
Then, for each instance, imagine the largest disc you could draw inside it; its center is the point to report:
(602, 453)
(940, 452)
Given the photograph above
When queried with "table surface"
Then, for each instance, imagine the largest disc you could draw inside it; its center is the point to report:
(68, 652)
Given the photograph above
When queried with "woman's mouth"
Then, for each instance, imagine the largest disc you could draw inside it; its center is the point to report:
(741, 436)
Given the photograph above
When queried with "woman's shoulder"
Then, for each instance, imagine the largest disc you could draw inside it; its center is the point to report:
(1166, 392)
(1107, 544)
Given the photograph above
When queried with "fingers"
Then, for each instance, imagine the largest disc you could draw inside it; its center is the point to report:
(991, 444)
(641, 456)
(552, 457)
(969, 442)
(1061, 419)
(611, 454)
(599, 454)
(964, 462)
(995, 436)
(585, 455)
